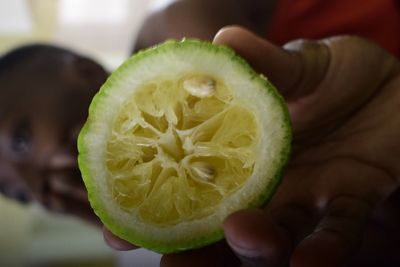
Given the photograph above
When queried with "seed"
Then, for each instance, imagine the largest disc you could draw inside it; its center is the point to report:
(200, 86)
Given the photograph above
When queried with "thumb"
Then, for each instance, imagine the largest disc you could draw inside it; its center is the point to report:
(295, 69)
(255, 239)
(323, 81)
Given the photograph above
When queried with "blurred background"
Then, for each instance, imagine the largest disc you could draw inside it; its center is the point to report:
(104, 30)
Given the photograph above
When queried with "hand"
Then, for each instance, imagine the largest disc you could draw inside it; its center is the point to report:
(338, 190)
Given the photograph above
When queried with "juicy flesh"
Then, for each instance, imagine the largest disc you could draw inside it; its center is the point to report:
(179, 147)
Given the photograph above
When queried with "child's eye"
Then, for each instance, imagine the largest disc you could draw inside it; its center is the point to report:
(21, 137)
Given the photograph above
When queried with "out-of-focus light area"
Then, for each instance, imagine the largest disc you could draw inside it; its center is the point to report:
(102, 29)
(16, 19)
(33, 237)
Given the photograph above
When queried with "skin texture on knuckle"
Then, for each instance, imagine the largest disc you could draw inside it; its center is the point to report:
(354, 48)
(344, 80)
(314, 58)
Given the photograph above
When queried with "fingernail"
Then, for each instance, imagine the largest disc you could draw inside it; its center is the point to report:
(244, 251)
(249, 257)
(252, 262)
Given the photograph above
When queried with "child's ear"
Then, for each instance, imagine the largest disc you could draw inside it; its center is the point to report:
(86, 72)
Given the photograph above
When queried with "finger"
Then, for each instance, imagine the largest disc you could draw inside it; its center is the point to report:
(314, 58)
(334, 83)
(218, 254)
(256, 239)
(296, 71)
(337, 237)
(381, 237)
(281, 67)
(292, 206)
(295, 220)
(116, 242)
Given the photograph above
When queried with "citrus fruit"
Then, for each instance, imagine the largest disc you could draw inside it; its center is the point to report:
(179, 137)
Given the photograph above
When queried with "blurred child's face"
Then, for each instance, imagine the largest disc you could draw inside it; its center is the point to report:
(40, 118)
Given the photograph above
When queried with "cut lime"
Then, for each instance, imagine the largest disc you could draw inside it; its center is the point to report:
(179, 137)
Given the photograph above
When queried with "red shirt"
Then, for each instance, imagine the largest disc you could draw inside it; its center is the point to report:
(377, 20)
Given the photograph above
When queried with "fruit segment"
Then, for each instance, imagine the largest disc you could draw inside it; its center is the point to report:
(178, 147)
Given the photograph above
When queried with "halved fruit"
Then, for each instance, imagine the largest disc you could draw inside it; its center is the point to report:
(179, 137)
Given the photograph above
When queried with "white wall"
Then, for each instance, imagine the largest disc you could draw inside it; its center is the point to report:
(103, 29)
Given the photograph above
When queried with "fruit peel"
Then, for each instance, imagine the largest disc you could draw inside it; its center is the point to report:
(97, 204)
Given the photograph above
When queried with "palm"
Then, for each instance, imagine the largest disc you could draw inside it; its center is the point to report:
(346, 143)
(346, 148)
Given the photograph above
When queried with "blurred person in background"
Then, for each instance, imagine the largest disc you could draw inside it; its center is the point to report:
(44, 96)
(45, 93)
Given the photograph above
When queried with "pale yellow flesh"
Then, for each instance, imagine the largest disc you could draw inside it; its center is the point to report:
(179, 147)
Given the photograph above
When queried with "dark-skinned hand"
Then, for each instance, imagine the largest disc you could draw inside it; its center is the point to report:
(338, 203)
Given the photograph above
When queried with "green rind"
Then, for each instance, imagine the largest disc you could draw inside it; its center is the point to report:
(286, 150)
(95, 201)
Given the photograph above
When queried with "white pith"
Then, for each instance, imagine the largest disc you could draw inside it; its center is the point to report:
(249, 92)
